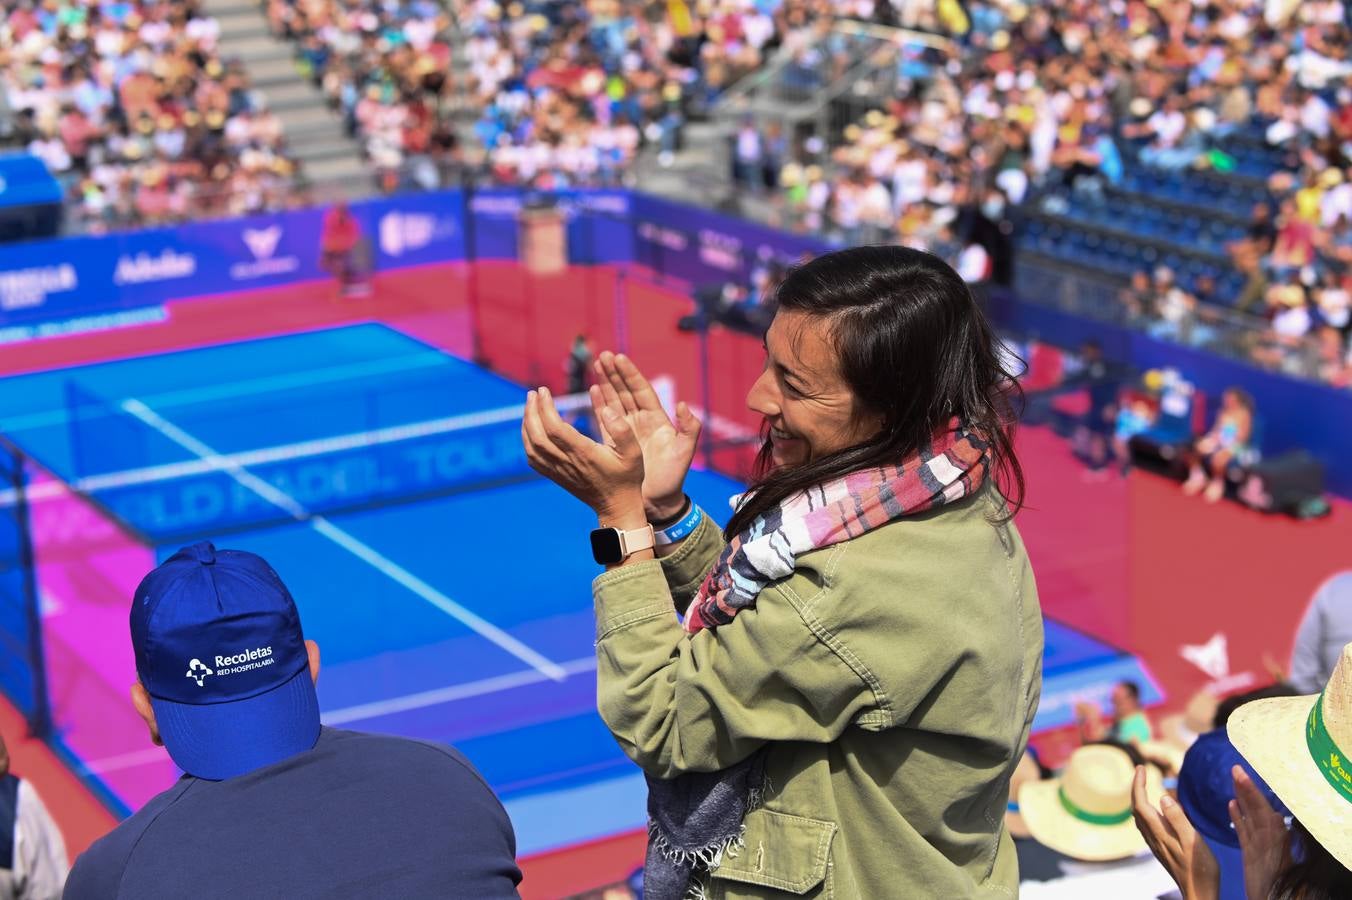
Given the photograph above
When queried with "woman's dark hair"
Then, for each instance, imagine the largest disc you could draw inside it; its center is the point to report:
(1133, 752)
(1317, 875)
(915, 349)
(1227, 707)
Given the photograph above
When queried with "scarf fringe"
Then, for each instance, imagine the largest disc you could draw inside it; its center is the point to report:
(707, 858)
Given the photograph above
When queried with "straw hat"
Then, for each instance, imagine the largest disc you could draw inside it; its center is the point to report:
(1026, 772)
(1298, 745)
(1164, 754)
(1086, 812)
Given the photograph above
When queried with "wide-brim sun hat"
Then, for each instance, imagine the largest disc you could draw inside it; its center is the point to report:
(1086, 813)
(1298, 744)
(1026, 772)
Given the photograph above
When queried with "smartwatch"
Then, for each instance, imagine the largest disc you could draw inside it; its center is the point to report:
(611, 546)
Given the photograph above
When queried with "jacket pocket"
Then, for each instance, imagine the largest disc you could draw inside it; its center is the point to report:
(788, 853)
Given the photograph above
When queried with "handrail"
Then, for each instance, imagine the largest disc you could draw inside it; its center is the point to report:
(890, 38)
(898, 35)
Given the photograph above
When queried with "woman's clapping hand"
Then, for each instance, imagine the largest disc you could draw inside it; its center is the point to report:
(608, 477)
(668, 447)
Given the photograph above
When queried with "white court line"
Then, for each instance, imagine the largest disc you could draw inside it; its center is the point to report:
(188, 396)
(362, 551)
(281, 453)
(126, 760)
(438, 696)
(377, 708)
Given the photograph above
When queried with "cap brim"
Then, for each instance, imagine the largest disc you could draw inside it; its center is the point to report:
(1052, 826)
(217, 741)
(1270, 734)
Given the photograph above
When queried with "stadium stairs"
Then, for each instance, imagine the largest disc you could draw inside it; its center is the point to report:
(314, 134)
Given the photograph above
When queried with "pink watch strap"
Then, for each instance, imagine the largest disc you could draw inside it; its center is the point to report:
(637, 541)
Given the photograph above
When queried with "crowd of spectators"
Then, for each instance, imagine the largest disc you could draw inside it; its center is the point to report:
(1294, 312)
(1227, 795)
(131, 106)
(1297, 258)
(386, 67)
(1030, 98)
(570, 91)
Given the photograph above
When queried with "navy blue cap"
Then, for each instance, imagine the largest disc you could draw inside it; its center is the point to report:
(220, 650)
(1206, 786)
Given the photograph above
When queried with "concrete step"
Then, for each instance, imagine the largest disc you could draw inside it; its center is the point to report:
(256, 47)
(225, 7)
(267, 72)
(304, 138)
(318, 148)
(315, 138)
(261, 49)
(294, 95)
(238, 17)
(348, 170)
(236, 28)
(309, 119)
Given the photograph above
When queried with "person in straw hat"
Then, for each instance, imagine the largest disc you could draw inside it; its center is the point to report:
(1298, 745)
(1037, 862)
(1294, 744)
(1085, 814)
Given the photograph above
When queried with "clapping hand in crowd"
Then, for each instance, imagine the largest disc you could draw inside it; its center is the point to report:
(1263, 840)
(1175, 843)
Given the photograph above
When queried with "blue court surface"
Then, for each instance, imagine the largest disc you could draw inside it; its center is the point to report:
(448, 587)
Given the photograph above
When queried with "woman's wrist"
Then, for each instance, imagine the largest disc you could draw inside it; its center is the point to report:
(666, 510)
(626, 513)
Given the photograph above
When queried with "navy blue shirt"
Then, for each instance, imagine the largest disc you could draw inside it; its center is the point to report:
(360, 815)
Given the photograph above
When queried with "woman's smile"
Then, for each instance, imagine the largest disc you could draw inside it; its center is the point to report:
(786, 449)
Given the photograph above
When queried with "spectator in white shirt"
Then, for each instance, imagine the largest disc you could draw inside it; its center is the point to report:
(33, 863)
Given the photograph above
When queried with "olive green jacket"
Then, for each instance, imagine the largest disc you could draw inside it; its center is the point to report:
(894, 678)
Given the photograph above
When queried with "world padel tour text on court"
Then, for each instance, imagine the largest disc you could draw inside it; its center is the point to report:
(348, 478)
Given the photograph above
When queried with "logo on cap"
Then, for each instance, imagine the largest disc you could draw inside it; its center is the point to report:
(198, 671)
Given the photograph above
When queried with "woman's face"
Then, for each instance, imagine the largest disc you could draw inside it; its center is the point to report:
(811, 410)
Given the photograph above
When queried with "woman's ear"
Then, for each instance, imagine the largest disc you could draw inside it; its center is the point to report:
(312, 649)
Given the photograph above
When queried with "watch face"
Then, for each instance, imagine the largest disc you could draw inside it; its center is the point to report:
(606, 548)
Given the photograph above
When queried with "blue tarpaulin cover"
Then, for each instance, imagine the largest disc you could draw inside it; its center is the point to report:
(25, 181)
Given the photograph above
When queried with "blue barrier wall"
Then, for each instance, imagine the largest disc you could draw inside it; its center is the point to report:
(48, 281)
(52, 280)
(1295, 414)
(700, 246)
(598, 223)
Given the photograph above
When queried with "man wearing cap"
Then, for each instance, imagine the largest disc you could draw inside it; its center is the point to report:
(272, 804)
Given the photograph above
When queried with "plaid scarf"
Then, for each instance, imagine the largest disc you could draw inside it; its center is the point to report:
(695, 819)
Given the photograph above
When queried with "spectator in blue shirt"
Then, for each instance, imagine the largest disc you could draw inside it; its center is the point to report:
(272, 804)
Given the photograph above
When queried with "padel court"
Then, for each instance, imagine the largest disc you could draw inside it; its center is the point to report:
(447, 586)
